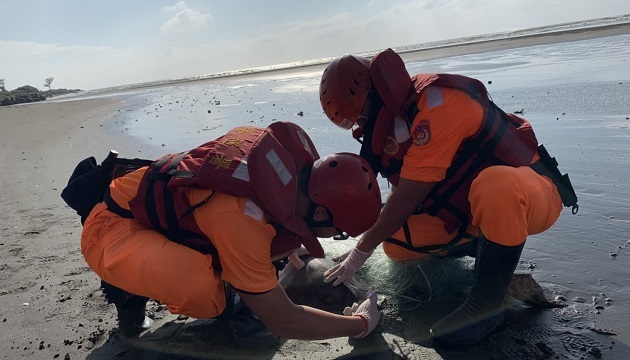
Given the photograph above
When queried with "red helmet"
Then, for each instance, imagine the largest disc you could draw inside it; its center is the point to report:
(345, 185)
(344, 86)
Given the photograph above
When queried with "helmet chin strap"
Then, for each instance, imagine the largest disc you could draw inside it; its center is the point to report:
(311, 213)
(326, 223)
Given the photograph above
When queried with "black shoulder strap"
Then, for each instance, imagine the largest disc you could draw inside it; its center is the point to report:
(429, 249)
(121, 167)
(135, 162)
(164, 176)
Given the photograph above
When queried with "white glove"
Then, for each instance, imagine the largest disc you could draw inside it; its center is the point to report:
(344, 271)
(342, 257)
(368, 311)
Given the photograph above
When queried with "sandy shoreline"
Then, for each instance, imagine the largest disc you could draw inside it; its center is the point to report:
(50, 303)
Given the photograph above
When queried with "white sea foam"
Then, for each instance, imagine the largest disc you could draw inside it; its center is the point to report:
(621, 19)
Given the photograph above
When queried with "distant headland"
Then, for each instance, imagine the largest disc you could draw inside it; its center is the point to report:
(28, 94)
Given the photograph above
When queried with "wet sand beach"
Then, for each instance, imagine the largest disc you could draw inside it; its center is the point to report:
(51, 306)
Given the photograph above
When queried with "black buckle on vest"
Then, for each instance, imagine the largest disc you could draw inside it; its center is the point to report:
(548, 166)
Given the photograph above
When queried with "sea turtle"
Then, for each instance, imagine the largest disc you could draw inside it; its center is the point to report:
(307, 287)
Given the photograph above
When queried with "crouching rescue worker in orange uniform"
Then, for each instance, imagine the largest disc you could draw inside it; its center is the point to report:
(468, 179)
(192, 228)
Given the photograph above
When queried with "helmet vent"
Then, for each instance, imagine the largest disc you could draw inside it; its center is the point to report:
(333, 164)
(355, 81)
(370, 186)
(352, 92)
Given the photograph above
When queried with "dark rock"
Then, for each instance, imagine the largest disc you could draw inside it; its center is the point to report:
(524, 288)
(545, 349)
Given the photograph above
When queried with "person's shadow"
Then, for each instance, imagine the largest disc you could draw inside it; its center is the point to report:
(528, 333)
(402, 333)
(211, 339)
(175, 339)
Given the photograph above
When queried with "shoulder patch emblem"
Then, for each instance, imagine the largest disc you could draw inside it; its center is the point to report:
(391, 146)
(422, 133)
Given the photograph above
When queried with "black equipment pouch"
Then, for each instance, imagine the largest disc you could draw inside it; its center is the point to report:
(548, 166)
(89, 181)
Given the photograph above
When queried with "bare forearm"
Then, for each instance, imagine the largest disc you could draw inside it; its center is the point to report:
(291, 321)
(308, 323)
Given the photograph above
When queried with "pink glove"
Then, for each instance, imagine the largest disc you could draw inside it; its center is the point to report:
(344, 271)
(294, 258)
(368, 311)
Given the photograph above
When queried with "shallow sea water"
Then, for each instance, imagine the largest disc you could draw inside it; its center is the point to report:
(576, 95)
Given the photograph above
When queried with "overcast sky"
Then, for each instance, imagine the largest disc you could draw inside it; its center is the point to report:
(89, 44)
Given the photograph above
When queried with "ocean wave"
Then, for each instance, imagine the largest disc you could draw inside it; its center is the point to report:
(585, 24)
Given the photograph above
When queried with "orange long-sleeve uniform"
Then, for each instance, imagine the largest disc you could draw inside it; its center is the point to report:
(507, 203)
(144, 262)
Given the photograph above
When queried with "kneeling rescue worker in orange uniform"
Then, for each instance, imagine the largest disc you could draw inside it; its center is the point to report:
(467, 178)
(199, 229)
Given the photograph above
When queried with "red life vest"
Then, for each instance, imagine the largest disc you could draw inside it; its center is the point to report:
(504, 139)
(261, 164)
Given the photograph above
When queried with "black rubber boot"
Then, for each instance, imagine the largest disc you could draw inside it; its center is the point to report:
(482, 311)
(249, 331)
(131, 310)
(233, 302)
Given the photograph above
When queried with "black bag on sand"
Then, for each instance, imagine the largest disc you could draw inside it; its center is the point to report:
(88, 181)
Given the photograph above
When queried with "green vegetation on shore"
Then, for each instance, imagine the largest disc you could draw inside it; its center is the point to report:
(27, 93)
